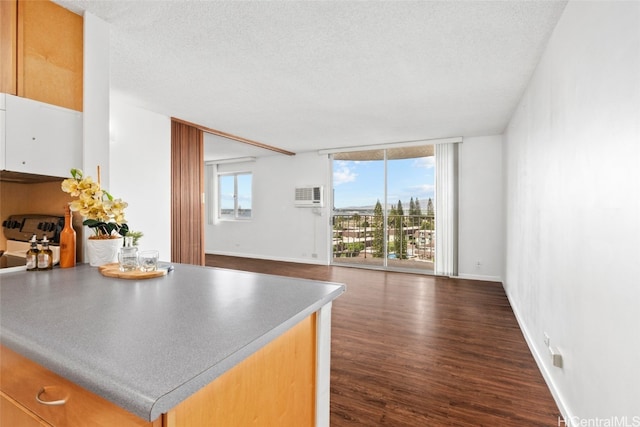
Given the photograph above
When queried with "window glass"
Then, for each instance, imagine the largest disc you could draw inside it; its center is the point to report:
(383, 214)
(227, 196)
(235, 196)
(244, 195)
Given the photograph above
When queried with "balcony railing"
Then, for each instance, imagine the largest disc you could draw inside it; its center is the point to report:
(410, 240)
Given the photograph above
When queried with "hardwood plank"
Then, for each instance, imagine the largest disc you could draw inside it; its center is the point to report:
(417, 350)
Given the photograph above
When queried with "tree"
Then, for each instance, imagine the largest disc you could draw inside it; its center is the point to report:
(415, 212)
(400, 240)
(428, 222)
(338, 222)
(430, 208)
(378, 232)
(356, 219)
(417, 208)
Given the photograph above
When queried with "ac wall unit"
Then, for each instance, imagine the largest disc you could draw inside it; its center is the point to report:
(309, 197)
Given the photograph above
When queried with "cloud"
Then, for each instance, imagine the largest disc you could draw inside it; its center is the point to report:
(342, 174)
(422, 190)
(425, 162)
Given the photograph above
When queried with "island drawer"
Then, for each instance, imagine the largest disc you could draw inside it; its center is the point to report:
(27, 382)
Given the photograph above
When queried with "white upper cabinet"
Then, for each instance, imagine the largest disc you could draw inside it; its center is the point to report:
(39, 138)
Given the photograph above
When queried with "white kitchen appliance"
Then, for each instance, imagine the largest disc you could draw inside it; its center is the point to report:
(18, 230)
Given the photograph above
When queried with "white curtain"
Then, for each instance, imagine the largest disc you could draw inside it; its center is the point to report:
(446, 262)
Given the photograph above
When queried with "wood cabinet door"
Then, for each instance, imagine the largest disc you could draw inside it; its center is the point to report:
(8, 46)
(49, 54)
(14, 415)
(275, 386)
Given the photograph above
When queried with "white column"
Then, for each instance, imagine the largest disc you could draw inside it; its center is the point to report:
(323, 365)
(96, 98)
(95, 103)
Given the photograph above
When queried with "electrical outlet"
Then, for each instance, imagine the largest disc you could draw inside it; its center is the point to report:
(314, 255)
(556, 357)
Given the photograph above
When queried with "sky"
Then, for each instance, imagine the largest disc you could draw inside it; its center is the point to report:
(361, 183)
(227, 188)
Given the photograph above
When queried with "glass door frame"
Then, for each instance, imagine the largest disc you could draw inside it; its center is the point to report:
(385, 226)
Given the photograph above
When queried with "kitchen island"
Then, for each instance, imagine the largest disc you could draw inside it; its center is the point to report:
(201, 342)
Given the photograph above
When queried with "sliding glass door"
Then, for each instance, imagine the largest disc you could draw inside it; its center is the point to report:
(358, 222)
(383, 211)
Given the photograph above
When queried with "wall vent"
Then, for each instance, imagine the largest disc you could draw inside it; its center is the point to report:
(309, 197)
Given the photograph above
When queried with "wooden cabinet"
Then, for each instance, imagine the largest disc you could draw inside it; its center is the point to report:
(275, 386)
(8, 46)
(41, 52)
(25, 385)
(14, 414)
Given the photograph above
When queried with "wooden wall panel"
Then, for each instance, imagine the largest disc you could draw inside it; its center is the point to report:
(8, 46)
(187, 189)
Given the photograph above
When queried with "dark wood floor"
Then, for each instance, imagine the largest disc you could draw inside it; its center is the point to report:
(415, 350)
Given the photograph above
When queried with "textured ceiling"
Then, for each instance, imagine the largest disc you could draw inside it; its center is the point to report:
(305, 75)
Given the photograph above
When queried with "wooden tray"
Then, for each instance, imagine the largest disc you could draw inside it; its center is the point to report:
(113, 270)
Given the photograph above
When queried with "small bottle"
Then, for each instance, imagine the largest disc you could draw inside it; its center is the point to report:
(67, 241)
(45, 256)
(32, 255)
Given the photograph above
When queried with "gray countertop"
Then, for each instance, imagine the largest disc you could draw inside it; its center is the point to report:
(146, 345)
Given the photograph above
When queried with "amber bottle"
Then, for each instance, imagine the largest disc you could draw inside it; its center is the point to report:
(67, 242)
(45, 256)
(32, 255)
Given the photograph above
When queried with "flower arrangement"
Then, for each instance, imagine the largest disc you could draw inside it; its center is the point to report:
(102, 212)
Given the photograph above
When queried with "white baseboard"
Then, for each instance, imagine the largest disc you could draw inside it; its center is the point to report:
(546, 375)
(268, 258)
(478, 277)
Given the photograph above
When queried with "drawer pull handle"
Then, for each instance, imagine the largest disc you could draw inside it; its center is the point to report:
(49, 402)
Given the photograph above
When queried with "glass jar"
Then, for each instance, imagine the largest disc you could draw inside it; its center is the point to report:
(128, 256)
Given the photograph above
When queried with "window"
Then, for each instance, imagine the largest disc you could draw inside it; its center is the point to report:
(381, 211)
(234, 195)
(396, 207)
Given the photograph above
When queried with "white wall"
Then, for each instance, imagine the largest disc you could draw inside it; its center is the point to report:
(480, 222)
(278, 230)
(140, 157)
(572, 190)
(132, 146)
(95, 98)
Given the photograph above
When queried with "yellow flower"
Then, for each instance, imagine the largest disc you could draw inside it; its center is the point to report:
(70, 186)
(101, 211)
